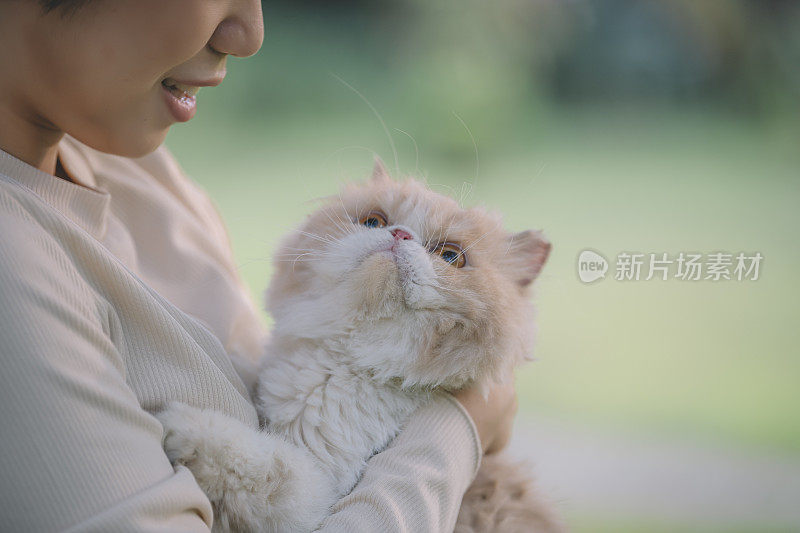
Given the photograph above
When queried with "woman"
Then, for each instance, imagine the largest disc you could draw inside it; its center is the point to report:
(118, 290)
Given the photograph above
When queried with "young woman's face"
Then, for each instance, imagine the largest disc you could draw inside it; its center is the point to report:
(97, 73)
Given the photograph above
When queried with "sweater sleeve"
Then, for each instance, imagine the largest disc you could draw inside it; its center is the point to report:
(417, 483)
(77, 451)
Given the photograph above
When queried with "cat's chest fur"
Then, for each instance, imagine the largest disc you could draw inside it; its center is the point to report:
(319, 400)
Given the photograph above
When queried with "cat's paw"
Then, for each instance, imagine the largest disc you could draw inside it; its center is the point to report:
(186, 432)
(255, 481)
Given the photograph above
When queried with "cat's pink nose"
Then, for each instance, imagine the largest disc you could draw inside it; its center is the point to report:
(402, 235)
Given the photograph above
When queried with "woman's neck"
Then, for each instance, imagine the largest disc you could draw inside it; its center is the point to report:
(30, 139)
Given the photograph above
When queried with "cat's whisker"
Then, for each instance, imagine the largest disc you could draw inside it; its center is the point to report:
(327, 239)
(444, 231)
(441, 288)
(348, 225)
(476, 241)
(300, 251)
(314, 256)
(336, 222)
(318, 253)
(313, 236)
(295, 260)
(290, 250)
(475, 146)
(309, 254)
(348, 221)
(358, 208)
(464, 250)
(344, 224)
(380, 119)
(416, 149)
(286, 257)
(508, 247)
(294, 263)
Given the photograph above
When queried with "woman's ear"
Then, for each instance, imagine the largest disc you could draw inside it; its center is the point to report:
(527, 254)
(379, 172)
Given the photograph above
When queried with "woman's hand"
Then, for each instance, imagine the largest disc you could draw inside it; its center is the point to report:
(493, 417)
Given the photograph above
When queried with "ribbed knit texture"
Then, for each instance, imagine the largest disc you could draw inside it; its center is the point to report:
(119, 294)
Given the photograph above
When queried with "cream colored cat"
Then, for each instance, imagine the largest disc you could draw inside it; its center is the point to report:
(388, 294)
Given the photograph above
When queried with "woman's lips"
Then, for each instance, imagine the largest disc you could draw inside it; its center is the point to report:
(181, 95)
(181, 99)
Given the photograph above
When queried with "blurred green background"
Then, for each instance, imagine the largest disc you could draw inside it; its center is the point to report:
(619, 125)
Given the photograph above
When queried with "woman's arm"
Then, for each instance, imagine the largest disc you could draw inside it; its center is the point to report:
(77, 451)
(417, 483)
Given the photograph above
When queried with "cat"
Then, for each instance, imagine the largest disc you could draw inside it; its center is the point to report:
(387, 295)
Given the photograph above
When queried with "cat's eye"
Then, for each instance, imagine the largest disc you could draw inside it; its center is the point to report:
(452, 253)
(374, 219)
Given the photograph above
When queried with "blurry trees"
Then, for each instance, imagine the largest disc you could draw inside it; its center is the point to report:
(744, 52)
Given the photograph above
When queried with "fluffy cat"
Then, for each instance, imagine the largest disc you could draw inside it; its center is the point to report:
(388, 294)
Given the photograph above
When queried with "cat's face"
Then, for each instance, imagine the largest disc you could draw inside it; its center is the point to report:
(409, 284)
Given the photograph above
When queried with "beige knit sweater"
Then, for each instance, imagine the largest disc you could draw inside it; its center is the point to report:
(118, 294)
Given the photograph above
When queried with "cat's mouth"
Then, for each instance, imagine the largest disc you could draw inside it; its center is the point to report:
(389, 249)
(397, 253)
(402, 272)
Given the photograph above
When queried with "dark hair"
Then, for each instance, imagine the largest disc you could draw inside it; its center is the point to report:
(66, 6)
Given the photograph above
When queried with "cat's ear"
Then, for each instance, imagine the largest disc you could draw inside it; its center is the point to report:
(527, 254)
(379, 172)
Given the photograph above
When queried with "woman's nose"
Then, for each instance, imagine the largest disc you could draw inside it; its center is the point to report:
(241, 32)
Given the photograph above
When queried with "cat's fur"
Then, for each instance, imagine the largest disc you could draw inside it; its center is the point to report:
(502, 499)
(367, 328)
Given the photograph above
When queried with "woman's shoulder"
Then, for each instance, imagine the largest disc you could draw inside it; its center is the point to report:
(38, 251)
(43, 217)
(25, 219)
